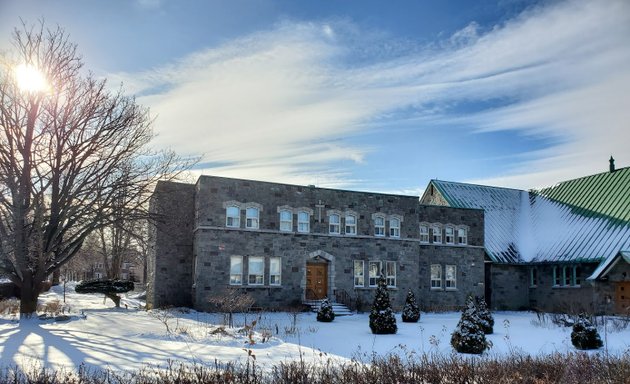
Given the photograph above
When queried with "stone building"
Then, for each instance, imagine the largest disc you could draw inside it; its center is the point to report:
(284, 244)
(564, 249)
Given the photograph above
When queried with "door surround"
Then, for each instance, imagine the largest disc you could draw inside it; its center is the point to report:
(326, 258)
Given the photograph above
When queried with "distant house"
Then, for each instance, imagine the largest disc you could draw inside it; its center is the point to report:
(286, 244)
(563, 248)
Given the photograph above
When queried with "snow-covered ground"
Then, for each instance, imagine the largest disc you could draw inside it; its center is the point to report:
(100, 335)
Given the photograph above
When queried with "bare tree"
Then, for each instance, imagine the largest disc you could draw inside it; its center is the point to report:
(72, 160)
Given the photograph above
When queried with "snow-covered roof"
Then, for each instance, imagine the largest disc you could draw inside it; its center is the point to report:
(580, 220)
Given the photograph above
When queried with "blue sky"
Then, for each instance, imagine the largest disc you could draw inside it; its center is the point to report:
(367, 95)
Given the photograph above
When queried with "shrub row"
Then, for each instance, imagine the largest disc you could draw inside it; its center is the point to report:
(556, 368)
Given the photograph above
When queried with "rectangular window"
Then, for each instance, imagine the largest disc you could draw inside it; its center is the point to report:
(379, 226)
(374, 268)
(556, 276)
(394, 228)
(233, 217)
(275, 268)
(462, 236)
(437, 235)
(304, 219)
(450, 277)
(286, 221)
(576, 276)
(334, 224)
(251, 215)
(351, 225)
(236, 270)
(449, 234)
(533, 277)
(436, 276)
(359, 277)
(566, 276)
(390, 273)
(424, 234)
(256, 270)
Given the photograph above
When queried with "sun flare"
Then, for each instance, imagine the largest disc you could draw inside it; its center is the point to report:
(30, 78)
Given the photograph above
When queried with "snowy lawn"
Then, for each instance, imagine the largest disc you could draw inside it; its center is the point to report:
(100, 335)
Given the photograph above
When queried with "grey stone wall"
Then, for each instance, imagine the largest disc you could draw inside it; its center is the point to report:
(215, 244)
(170, 258)
(509, 287)
(546, 296)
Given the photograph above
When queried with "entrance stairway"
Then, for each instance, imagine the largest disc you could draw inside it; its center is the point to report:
(338, 309)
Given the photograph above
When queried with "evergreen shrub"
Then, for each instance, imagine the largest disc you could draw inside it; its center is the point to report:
(486, 321)
(468, 336)
(325, 313)
(585, 335)
(382, 319)
(411, 310)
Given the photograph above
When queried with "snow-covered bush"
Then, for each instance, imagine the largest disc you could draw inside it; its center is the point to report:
(468, 336)
(325, 313)
(585, 335)
(486, 321)
(382, 320)
(411, 310)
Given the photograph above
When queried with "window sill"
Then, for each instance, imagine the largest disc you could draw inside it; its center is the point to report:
(566, 286)
(450, 289)
(437, 289)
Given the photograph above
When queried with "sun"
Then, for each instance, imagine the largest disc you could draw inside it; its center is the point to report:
(30, 78)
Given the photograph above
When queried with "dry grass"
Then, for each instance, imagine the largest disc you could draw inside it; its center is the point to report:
(557, 368)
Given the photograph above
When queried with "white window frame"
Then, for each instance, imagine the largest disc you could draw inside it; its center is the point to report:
(566, 276)
(252, 221)
(286, 224)
(379, 226)
(275, 271)
(462, 236)
(394, 230)
(236, 275)
(334, 227)
(373, 279)
(424, 233)
(236, 219)
(351, 229)
(436, 234)
(304, 226)
(450, 284)
(390, 273)
(449, 238)
(436, 280)
(258, 278)
(359, 273)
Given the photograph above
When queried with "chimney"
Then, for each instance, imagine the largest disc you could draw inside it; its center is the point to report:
(612, 164)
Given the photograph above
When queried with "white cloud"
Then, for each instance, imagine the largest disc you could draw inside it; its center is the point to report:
(277, 105)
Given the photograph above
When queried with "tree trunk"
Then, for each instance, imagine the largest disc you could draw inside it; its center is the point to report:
(29, 292)
(115, 298)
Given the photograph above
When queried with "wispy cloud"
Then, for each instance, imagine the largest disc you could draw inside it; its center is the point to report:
(281, 104)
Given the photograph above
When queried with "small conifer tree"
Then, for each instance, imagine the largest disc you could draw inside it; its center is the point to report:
(382, 319)
(585, 335)
(325, 313)
(486, 321)
(411, 310)
(468, 336)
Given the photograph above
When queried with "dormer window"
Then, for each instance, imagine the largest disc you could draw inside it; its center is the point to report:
(334, 224)
(233, 216)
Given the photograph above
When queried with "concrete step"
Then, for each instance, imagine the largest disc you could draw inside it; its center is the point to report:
(338, 308)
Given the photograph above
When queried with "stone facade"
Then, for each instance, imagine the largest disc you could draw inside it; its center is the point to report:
(214, 249)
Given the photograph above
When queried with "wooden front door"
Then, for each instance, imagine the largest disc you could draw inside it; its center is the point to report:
(622, 297)
(316, 281)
